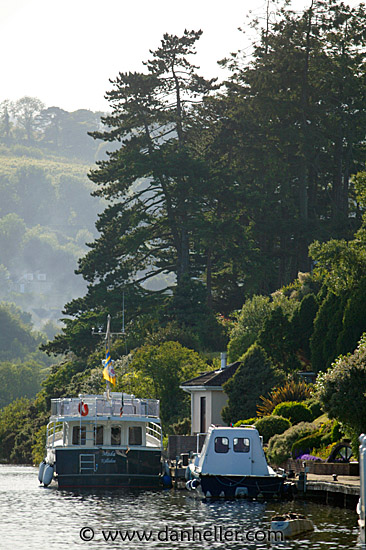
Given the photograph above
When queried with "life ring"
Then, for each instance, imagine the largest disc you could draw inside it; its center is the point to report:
(83, 409)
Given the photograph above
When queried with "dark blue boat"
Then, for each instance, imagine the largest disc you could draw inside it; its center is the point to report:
(107, 441)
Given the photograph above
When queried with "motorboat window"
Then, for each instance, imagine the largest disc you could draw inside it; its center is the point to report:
(98, 435)
(135, 435)
(79, 435)
(115, 435)
(241, 445)
(221, 444)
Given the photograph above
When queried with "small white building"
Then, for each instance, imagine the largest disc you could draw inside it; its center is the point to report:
(208, 397)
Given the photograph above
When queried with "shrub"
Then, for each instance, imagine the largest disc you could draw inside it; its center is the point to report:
(341, 390)
(336, 432)
(280, 445)
(294, 411)
(291, 391)
(271, 425)
(310, 457)
(315, 407)
(317, 440)
(248, 422)
(306, 444)
(182, 427)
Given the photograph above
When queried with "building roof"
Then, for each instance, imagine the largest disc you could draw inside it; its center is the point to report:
(214, 377)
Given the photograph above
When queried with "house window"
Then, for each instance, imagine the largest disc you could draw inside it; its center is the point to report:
(221, 445)
(241, 445)
(135, 435)
(79, 435)
(98, 435)
(115, 435)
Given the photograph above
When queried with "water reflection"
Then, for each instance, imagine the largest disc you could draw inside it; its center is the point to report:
(34, 517)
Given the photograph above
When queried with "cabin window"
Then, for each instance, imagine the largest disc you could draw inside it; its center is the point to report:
(221, 444)
(98, 435)
(135, 435)
(79, 435)
(241, 445)
(115, 435)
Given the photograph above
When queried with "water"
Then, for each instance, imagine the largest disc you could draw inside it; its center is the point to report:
(34, 518)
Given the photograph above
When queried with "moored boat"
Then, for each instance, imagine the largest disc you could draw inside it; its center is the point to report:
(232, 464)
(109, 440)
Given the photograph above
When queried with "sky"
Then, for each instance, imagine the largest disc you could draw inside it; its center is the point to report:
(65, 52)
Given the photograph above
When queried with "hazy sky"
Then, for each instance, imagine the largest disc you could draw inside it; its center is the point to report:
(65, 52)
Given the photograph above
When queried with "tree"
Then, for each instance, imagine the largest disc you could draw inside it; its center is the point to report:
(158, 371)
(249, 323)
(341, 390)
(296, 115)
(255, 376)
(276, 339)
(5, 124)
(153, 179)
(26, 111)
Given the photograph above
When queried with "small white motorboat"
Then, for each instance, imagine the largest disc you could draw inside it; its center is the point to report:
(232, 464)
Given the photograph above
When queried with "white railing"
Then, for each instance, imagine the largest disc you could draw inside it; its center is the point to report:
(99, 406)
(154, 430)
(55, 434)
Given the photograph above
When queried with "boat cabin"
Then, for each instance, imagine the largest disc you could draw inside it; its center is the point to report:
(232, 451)
(95, 421)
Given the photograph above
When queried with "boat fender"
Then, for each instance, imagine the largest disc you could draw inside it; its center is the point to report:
(167, 481)
(83, 409)
(189, 485)
(195, 483)
(41, 470)
(47, 475)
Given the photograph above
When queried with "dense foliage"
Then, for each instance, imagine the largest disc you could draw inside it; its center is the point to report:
(341, 390)
(22, 365)
(280, 445)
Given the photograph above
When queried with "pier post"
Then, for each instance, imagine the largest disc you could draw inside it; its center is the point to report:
(361, 508)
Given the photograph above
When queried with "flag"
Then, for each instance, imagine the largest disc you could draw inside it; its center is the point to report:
(108, 371)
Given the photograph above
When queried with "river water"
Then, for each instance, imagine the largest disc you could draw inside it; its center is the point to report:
(35, 518)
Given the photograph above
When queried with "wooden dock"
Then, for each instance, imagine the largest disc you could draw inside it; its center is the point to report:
(343, 492)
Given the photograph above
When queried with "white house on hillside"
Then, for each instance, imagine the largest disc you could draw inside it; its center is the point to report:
(208, 397)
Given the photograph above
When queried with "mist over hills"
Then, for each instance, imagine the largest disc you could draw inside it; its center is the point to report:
(47, 213)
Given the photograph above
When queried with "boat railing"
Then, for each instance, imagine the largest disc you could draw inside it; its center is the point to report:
(154, 430)
(100, 406)
(55, 434)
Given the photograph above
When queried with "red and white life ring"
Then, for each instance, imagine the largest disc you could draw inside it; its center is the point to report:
(83, 409)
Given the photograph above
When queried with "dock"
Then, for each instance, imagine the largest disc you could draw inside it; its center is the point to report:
(343, 492)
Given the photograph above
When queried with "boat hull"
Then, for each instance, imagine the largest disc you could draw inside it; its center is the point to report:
(106, 468)
(242, 486)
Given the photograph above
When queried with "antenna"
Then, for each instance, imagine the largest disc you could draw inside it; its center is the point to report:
(108, 334)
